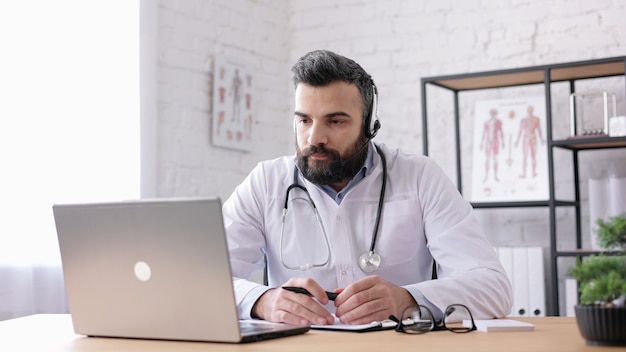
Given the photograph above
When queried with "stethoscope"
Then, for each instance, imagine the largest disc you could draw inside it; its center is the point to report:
(368, 261)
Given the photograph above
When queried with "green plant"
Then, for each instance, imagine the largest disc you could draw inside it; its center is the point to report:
(602, 278)
(612, 233)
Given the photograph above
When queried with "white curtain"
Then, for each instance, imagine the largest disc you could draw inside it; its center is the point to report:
(69, 132)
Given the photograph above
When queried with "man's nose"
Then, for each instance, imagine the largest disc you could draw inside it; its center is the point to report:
(318, 134)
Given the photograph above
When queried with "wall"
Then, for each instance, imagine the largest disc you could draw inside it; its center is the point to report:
(398, 42)
(190, 33)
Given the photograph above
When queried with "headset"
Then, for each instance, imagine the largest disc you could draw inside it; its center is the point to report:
(372, 123)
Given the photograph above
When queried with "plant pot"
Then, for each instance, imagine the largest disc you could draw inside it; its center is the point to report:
(602, 326)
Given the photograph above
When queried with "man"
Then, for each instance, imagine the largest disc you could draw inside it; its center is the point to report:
(378, 256)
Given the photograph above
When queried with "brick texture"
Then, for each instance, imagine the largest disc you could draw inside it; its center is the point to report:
(398, 42)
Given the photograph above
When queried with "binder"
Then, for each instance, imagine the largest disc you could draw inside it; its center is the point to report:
(571, 296)
(520, 282)
(536, 282)
(505, 254)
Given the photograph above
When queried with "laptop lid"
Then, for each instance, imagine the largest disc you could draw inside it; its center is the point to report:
(154, 269)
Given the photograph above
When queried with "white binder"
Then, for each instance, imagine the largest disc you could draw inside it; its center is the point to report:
(536, 282)
(524, 267)
(505, 254)
(520, 282)
(571, 296)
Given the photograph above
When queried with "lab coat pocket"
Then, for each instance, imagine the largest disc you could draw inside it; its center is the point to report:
(400, 233)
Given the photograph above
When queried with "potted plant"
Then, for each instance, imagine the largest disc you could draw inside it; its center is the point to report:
(601, 314)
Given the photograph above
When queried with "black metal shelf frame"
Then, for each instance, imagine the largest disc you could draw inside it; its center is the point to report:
(545, 75)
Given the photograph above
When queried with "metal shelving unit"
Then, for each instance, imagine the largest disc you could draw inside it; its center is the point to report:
(540, 75)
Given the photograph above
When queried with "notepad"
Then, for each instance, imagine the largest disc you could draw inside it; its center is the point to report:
(495, 325)
(373, 326)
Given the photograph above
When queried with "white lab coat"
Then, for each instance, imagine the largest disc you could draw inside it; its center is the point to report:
(424, 217)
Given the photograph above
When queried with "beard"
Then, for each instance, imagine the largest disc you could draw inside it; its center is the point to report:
(319, 172)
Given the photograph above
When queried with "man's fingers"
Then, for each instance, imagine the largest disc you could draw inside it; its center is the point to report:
(291, 305)
(365, 313)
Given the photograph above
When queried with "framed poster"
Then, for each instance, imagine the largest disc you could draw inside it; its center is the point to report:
(233, 104)
(510, 152)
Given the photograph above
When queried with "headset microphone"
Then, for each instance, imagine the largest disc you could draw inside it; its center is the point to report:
(336, 166)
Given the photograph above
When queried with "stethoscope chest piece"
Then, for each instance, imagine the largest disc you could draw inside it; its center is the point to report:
(369, 261)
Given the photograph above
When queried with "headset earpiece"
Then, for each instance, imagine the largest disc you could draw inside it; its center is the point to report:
(372, 124)
(375, 128)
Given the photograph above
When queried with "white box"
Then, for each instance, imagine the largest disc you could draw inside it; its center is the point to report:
(617, 126)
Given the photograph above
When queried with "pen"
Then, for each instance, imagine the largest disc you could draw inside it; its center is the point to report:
(331, 295)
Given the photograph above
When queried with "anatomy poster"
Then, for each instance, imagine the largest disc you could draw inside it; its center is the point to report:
(510, 151)
(233, 104)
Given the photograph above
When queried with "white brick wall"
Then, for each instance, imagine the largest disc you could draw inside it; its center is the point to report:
(190, 33)
(397, 41)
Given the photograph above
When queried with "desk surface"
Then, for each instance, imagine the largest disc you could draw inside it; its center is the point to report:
(54, 333)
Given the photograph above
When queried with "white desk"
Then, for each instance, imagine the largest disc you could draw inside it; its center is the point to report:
(54, 333)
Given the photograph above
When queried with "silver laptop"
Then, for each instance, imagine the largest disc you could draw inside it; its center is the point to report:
(153, 269)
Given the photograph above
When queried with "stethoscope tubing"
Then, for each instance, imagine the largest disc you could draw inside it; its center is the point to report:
(307, 266)
(295, 184)
(381, 199)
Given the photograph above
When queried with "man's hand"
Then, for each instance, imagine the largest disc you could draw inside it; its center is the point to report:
(284, 306)
(371, 299)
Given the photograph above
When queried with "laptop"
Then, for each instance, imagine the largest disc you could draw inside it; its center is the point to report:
(153, 269)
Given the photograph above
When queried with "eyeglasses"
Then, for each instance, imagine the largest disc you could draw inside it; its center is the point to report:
(418, 319)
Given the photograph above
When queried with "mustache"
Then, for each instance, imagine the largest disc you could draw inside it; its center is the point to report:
(317, 149)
